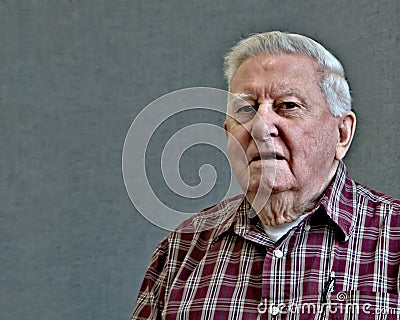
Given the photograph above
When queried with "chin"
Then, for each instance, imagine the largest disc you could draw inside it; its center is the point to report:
(283, 182)
(260, 186)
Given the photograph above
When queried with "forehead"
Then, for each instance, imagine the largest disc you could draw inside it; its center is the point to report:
(278, 71)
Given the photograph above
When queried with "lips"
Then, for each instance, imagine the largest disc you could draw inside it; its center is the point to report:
(267, 156)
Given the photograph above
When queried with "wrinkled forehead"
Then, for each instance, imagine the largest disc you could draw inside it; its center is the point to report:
(293, 60)
(273, 77)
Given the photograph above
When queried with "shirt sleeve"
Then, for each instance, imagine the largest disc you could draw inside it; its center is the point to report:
(149, 303)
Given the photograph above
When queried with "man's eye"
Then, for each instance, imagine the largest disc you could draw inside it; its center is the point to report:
(245, 113)
(288, 105)
(247, 109)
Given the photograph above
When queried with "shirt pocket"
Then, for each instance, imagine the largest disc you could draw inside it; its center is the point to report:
(363, 305)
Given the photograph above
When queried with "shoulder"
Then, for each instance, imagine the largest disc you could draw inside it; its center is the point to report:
(375, 198)
(202, 227)
(212, 218)
(378, 211)
(205, 225)
(195, 234)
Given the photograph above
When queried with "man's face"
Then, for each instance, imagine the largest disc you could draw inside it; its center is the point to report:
(282, 137)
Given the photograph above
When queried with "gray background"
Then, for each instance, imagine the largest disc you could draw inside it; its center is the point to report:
(73, 76)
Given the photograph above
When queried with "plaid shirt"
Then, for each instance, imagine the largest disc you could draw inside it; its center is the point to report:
(340, 262)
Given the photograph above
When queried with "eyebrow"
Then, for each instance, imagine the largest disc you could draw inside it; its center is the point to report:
(286, 91)
(275, 92)
(242, 96)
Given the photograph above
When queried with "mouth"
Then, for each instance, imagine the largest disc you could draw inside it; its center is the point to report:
(267, 156)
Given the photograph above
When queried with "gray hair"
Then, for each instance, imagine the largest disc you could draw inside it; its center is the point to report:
(333, 83)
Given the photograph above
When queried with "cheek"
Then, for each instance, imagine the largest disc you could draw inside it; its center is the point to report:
(314, 144)
(326, 138)
(238, 141)
(236, 151)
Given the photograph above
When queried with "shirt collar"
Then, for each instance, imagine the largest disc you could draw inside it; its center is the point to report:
(338, 202)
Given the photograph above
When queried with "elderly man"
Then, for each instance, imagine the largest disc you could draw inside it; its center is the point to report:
(304, 241)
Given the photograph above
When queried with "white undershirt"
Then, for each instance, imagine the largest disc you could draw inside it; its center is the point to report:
(277, 232)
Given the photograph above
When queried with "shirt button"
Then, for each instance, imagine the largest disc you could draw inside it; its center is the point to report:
(278, 253)
(307, 227)
(274, 310)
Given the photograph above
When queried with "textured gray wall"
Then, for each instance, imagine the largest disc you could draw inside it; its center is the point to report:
(73, 76)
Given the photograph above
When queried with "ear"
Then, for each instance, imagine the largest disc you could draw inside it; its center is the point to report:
(347, 127)
(226, 127)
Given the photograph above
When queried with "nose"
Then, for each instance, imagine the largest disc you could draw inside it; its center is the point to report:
(264, 124)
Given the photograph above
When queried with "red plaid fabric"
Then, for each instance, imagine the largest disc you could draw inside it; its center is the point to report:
(340, 262)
